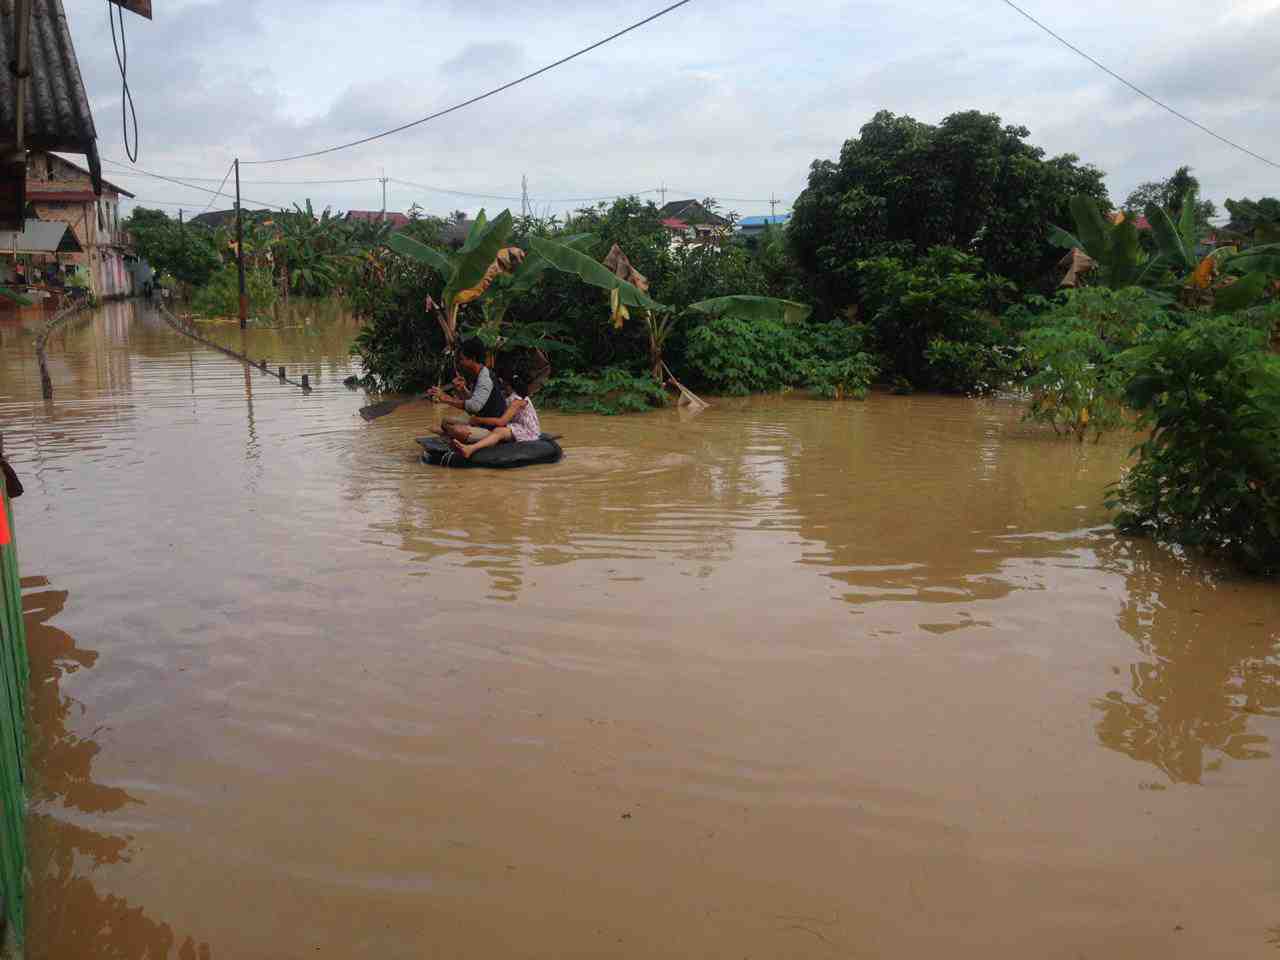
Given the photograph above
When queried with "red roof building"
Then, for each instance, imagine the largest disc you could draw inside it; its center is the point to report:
(397, 220)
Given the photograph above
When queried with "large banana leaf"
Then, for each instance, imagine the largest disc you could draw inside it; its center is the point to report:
(1126, 254)
(753, 308)
(1170, 239)
(1241, 294)
(535, 265)
(1060, 238)
(440, 262)
(1091, 228)
(1264, 259)
(573, 261)
(475, 234)
(486, 239)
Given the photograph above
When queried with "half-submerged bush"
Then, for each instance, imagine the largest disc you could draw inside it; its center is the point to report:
(612, 390)
(220, 297)
(1209, 474)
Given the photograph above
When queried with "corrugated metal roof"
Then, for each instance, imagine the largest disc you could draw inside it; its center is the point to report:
(57, 110)
(38, 236)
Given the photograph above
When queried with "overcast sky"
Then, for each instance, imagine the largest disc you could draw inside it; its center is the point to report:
(720, 98)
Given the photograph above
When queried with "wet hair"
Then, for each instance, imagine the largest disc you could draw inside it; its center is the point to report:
(473, 349)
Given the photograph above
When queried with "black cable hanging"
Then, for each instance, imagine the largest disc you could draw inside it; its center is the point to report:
(484, 96)
(127, 107)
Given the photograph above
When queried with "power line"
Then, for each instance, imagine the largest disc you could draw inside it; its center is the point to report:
(277, 183)
(209, 205)
(1136, 89)
(499, 196)
(484, 96)
(192, 186)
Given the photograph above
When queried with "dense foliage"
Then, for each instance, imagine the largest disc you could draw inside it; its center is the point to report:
(902, 187)
(1208, 475)
(931, 256)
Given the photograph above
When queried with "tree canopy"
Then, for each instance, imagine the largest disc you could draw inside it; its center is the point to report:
(1168, 194)
(903, 186)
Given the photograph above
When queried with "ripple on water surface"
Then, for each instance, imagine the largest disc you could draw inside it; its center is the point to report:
(890, 649)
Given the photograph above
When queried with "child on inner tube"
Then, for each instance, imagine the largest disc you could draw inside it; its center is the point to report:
(517, 424)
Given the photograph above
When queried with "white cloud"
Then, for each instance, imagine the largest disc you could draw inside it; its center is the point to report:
(724, 98)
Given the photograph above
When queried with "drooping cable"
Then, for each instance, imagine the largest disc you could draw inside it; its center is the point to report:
(476, 99)
(127, 107)
(1137, 89)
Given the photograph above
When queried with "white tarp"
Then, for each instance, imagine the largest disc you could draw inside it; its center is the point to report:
(39, 236)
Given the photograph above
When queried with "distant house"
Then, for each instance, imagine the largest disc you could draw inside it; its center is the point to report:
(691, 223)
(398, 221)
(59, 190)
(750, 229)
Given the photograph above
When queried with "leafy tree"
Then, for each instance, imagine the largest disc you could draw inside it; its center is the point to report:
(1169, 194)
(1255, 219)
(945, 296)
(188, 253)
(902, 187)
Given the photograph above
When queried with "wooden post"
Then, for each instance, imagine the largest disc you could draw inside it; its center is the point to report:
(244, 298)
(263, 363)
(282, 373)
(306, 382)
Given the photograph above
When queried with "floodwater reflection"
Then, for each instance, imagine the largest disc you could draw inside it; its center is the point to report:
(323, 700)
(1210, 665)
(67, 916)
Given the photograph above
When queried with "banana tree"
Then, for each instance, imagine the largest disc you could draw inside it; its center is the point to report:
(1112, 244)
(469, 272)
(1178, 243)
(660, 319)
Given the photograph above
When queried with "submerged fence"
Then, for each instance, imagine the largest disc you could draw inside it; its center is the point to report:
(14, 675)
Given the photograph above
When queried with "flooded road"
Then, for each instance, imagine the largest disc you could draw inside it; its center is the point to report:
(790, 679)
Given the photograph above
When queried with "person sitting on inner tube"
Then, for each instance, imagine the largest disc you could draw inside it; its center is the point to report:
(482, 400)
(519, 422)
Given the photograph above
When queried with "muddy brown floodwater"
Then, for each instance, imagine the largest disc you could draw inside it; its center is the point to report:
(791, 679)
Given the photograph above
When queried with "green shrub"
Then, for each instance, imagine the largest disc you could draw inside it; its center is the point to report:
(847, 379)
(614, 390)
(1208, 476)
(972, 368)
(733, 356)
(1076, 384)
(220, 297)
(945, 295)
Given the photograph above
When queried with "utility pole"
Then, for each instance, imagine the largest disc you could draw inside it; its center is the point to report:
(773, 204)
(244, 298)
(663, 190)
(524, 196)
(383, 180)
(182, 227)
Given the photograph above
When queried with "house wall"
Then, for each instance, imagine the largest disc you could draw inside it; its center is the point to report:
(95, 221)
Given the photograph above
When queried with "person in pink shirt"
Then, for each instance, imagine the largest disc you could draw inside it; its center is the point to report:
(519, 423)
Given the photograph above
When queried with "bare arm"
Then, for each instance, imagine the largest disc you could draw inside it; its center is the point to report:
(515, 407)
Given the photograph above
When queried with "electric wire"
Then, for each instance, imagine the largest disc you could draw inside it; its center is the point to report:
(126, 95)
(216, 193)
(1137, 89)
(476, 99)
(209, 205)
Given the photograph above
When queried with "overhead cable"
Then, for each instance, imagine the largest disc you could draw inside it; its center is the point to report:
(121, 47)
(192, 186)
(1138, 90)
(484, 96)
